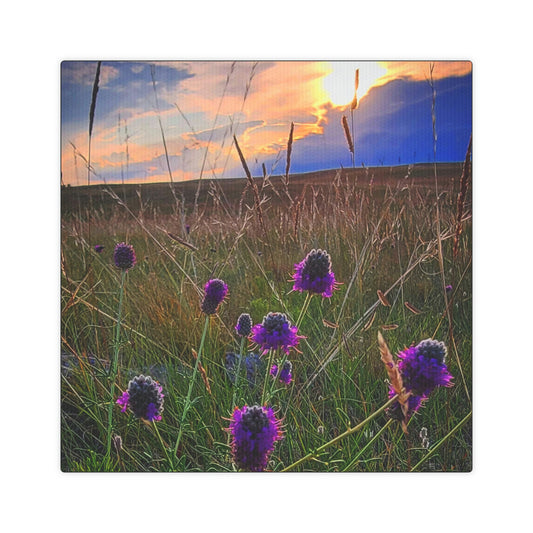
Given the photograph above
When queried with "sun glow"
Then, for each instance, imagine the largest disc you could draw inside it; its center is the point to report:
(339, 84)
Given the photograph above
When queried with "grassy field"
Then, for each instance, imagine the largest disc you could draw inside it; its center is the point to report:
(388, 229)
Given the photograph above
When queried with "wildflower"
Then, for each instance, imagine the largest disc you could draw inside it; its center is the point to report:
(449, 288)
(275, 332)
(285, 375)
(252, 362)
(215, 291)
(244, 325)
(423, 369)
(124, 256)
(314, 274)
(144, 397)
(99, 248)
(254, 431)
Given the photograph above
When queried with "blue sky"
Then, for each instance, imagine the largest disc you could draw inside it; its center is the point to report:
(201, 106)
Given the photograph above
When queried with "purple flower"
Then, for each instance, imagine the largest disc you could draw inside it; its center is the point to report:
(123, 401)
(215, 291)
(124, 256)
(254, 431)
(285, 376)
(423, 369)
(99, 248)
(144, 397)
(449, 288)
(275, 332)
(244, 325)
(314, 274)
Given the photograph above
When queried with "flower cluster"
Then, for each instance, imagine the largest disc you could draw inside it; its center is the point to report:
(244, 325)
(252, 362)
(144, 397)
(423, 369)
(285, 375)
(314, 274)
(215, 291)
(275, 332)
(254, 431)
(124, 256)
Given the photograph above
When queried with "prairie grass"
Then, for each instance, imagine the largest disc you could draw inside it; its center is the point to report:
(380, 238)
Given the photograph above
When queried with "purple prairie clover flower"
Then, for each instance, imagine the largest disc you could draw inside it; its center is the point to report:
(244, 325)
(144, 397)
(99, 248)
(423, 369)
(275, 332)
(285, 376)
(254, 431)
(123, 401)
(215, 291)
(314, 274)
(124, 256)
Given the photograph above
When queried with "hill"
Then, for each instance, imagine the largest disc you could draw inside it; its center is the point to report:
(231, 190)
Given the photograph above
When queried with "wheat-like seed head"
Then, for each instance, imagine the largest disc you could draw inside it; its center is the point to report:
(347, 133)
(394, 377)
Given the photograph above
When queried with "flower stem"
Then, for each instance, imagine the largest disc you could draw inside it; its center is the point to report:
(266, 397)
(236, 385)
(114, 366)
(304, 308)
(187, 405)
(163, 445)
(314, 453)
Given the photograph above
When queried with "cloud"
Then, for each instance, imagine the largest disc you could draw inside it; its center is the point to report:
(84, 72)
(203, 104)
(420, 70)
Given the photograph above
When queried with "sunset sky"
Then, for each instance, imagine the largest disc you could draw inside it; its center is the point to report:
(201, 105)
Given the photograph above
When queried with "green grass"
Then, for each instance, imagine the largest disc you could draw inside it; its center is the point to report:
(379, 236)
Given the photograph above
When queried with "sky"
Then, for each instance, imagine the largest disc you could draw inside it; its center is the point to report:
(195, 108)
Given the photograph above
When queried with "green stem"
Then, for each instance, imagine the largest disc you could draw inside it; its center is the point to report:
(314, 453)
(434, 449)
(114, 365)
(156, 430)
(304, 308)
(236, 384)
(264, 396)
(370, 442)
(187, 405)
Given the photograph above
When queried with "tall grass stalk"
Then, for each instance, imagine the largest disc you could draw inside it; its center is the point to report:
(187, 404)
(114, 366)
(91, 123)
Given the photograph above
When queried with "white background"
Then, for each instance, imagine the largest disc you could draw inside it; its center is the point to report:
(36, 37)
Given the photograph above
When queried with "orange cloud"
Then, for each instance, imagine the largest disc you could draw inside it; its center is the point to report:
(420, 70)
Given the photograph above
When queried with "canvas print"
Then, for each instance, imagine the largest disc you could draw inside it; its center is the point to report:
(266, 266)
